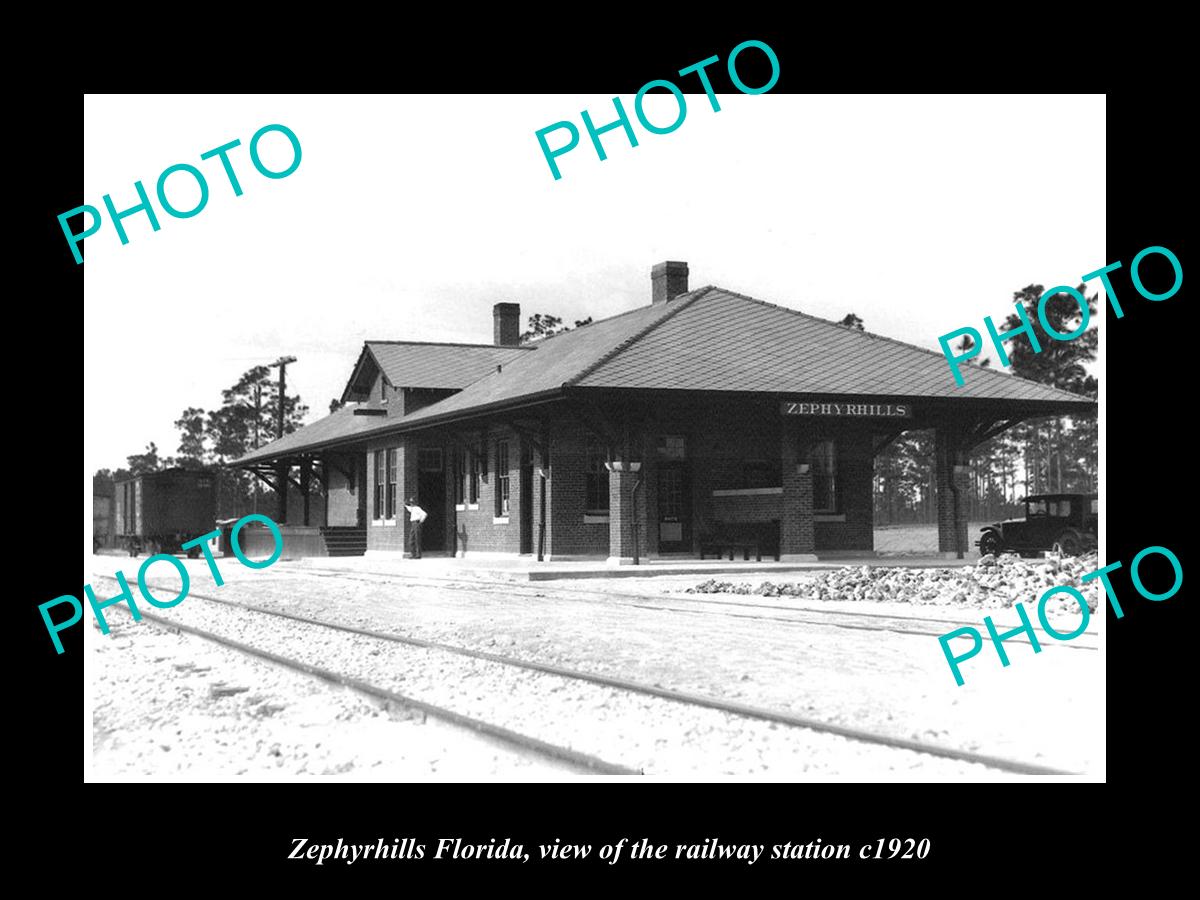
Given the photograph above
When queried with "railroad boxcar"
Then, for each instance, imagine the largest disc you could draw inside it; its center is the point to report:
(159, 511)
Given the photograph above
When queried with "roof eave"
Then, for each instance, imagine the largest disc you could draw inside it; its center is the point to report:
(400, 427)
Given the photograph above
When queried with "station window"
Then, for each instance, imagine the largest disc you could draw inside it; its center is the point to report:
(824, 477)
(380, 481)
(501, 478)
(391, 483)
(597, 480)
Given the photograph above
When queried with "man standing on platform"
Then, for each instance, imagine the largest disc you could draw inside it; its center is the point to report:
(416, 516)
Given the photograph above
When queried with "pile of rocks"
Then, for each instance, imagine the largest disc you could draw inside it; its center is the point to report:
(992, 583)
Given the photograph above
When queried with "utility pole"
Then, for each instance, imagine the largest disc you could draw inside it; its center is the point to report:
(281, 469)
(257, 419)
(282, 362)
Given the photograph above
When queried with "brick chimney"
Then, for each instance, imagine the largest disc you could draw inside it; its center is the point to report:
(667, 281)
(506, 318)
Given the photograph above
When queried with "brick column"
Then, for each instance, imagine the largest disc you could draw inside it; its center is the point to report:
(621, 504)
(951, 473)
(797, 539)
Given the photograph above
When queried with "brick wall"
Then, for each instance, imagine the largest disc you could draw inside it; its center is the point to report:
(796, 532)
(316, 504)
(946, 457)
(752, 508)
(566, 533)
(386, 396)
(621, 514)
(717, 445)
(343, 494)
(477, 530)
(718, 442)
(389, 537)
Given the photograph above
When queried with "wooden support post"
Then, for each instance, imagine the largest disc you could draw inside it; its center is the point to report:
(324, 475)
(281, 489)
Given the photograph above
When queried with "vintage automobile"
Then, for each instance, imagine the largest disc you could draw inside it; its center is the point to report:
(1065, 524)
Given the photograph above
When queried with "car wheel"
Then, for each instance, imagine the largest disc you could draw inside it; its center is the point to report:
(991, 544)
(1067, 544)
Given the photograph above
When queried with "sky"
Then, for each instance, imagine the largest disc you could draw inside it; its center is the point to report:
(410, 216)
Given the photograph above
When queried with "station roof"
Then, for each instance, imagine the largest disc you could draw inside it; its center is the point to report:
(416, 364)
(709, 339)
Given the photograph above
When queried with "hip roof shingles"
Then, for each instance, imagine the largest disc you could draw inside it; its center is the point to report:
(710, 339)
(726, 341)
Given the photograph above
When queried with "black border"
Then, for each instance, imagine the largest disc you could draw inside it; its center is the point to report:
(241, 829)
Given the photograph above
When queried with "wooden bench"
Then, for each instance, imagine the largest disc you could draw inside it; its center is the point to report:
(746, 538)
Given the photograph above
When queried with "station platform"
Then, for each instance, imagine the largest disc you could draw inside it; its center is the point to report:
(525, 568)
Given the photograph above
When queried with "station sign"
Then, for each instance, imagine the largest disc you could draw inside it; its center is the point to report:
(848, 409)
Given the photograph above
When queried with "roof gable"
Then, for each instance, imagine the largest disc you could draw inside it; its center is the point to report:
(414, 364)
(536, 368)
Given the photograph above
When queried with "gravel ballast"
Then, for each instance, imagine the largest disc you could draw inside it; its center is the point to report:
(215, 713)
(1042, 709)
(990, 584)
(659, 736)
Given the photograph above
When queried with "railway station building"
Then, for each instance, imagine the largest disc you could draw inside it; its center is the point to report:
(701, 422)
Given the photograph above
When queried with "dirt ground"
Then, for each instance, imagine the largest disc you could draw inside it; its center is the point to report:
(919, 538)
(1044, 708)
(217, 714)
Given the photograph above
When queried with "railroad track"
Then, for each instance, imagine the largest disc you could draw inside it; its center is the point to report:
(691, 701)
(853, 620)
(585, 762)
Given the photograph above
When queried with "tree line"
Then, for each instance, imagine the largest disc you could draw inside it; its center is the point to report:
(246, 419)
(1056, 454)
